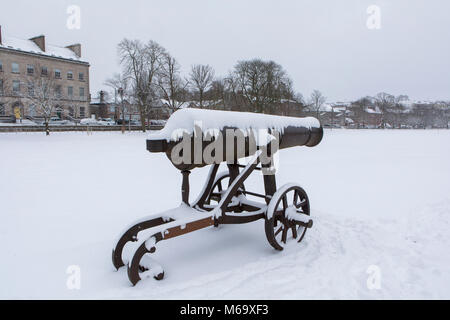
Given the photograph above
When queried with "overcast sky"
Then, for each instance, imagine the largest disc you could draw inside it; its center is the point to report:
(323, 44)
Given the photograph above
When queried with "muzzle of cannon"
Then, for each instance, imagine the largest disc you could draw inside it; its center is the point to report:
(229, 136)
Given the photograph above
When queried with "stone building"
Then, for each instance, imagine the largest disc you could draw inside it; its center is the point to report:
(24, 61)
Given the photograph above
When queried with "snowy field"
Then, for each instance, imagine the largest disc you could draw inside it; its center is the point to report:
(380, 201)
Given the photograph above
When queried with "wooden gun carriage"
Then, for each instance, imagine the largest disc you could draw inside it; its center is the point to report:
(224, 198)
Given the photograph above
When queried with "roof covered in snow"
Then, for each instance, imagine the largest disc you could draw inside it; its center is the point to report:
(29, 46)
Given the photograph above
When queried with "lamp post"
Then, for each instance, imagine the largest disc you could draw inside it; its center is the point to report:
(123, 109)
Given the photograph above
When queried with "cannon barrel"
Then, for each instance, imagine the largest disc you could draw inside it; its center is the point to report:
(200, 128)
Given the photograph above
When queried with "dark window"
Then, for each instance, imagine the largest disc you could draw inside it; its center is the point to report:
(30, 69)
(58, 91)
(57, 74)
(82, 112)
(71, 112)
(2, 110)
(70, 75)
(15, 67)
(1, 66)
(1, 87)
(16, 86)
(44, 71)
(81, 76)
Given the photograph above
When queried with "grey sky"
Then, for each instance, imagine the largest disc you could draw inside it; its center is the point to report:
(323, 44)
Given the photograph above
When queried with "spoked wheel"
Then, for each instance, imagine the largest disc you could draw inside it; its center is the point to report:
(219, 187)
(286, 209)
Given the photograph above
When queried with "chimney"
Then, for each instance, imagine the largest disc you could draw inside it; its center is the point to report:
(76, 48)
(40, 42)
(0, 35)
(102, 97)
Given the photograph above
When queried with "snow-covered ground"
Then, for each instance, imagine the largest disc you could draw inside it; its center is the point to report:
(380, 200)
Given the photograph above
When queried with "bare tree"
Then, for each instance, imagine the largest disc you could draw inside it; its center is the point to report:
(142, 63)
(154, 54)
(202, 77)
(298, 98)
(42, 95)
(5, 93)
(217, 93)
(360, 107)
(121, 86)
(231, 86)
(172, 86)
(317, 100)
(384, 101)
(262, 84)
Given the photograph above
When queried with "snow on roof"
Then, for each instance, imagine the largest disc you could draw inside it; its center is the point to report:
(370, 110)
(30, 46)
(95, 100)
(185, 120)
(341, 103)
(334, 106)
(407, 103)
(326, 107)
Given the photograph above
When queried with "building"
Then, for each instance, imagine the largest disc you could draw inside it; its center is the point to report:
(100, 108)
(26, 64)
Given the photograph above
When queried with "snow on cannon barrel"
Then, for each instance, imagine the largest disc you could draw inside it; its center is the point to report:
(212, 136)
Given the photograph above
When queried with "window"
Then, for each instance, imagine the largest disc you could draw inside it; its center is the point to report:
(1, 87)
(81, 76)
(70, 92)
(70, 75)
(44, 71)
(16, 86)
(30, 69)
(14, 67)
(1, 66)
(32, 110)
(57, 74)
(2, 109)
(71, 112)
(58, 91)
(82, 93)
(31, 89)
(82, 112)
(44, 90)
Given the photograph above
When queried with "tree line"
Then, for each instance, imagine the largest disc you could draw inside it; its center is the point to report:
(150, 76)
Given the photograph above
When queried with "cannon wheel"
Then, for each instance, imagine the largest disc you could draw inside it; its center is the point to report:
(135, 268)
(220, 185)
(278, 226)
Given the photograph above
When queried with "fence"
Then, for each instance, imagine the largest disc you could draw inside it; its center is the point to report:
(72, 128)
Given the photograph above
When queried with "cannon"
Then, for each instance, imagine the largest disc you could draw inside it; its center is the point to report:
(195, 138)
